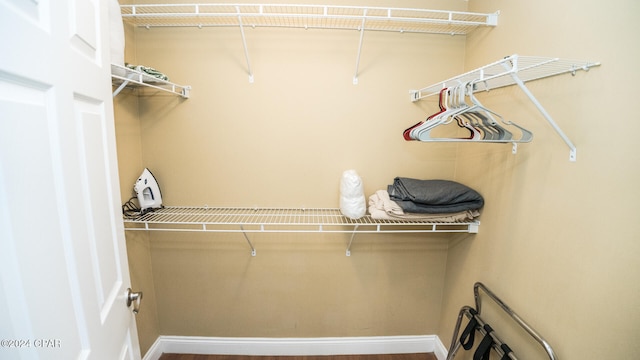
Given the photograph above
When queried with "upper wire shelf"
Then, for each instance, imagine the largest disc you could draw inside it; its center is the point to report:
(501, 73)
(514, 70)
(307, 17)
(122, 76)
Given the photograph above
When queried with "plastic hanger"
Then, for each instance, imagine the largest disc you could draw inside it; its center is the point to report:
(487, 132)
(479, 120)
(456, 105)
(447, 105)
(526, 135)
(407, 133)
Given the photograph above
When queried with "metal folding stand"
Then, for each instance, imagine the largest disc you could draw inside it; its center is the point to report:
(498, 344)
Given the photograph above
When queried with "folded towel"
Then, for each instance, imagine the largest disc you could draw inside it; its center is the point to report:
(149, 71)
(433, 196)
(383, 208)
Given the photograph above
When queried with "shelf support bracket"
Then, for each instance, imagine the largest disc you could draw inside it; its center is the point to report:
(124, 84)
(353, 234)
(244, 44)
(253, 250)
(355, 75)
(572, 148)
(545, 114)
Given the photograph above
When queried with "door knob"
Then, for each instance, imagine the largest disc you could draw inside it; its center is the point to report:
(134, 298)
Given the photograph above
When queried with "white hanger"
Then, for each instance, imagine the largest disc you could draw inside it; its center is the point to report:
(455, 105)
(479, 120)
(526, 134)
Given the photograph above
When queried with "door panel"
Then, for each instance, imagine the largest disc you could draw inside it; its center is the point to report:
(84, 27)
(63, 265)
(104, 258)
(32, 251)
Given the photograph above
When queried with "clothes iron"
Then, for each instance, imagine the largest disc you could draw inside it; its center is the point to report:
(148, 192)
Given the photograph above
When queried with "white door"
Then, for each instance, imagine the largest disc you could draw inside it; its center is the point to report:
(63, 264)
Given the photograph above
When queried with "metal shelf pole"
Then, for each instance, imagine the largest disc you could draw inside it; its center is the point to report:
(545, 114)
(244, 43)
(355, 76)
(253, 250)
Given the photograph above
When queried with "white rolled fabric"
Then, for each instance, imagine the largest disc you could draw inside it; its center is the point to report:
(352, 200)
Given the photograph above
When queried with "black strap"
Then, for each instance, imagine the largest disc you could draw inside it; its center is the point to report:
(468, 335)
(506, 349)
(483, 352)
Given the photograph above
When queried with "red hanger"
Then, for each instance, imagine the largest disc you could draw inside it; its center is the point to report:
(407, 133)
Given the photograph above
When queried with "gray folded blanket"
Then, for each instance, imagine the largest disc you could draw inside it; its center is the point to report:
(382, 207)
(433, 196)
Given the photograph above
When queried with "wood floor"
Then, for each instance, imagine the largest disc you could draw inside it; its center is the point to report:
(418, 356)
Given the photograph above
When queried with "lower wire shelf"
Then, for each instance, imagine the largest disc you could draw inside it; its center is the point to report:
(280, 220)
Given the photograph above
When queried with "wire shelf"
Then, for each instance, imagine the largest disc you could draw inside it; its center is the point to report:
(307, 16)
(514, 70)
(122, 77)
(505, 71)
(281, 220)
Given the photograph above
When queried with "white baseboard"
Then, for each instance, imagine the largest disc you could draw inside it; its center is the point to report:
(440, 350)
(296, 346)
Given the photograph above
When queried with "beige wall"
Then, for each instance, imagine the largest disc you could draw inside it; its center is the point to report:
(284, 141)
(557, 240)
(298, 285)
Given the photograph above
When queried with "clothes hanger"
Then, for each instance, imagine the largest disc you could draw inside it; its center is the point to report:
(526, 135)
(407, 132)
(479, 120)
(493, 131)
(476, 133)
(488, 133)
(449, 105)
(485, 124)
(470, 119)
(456, 105)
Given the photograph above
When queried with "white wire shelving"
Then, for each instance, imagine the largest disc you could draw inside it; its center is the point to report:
(400, 20)
(122, 77)
(307, 17)
(514, 70)
(282, 220)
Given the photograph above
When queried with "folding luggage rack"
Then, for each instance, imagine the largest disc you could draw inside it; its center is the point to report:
(490, 339)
